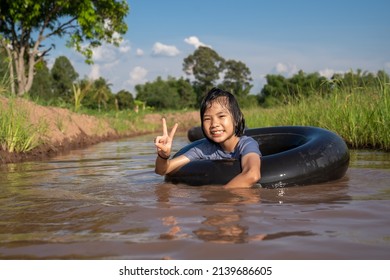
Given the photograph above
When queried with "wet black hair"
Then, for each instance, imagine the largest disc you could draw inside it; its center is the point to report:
(219, 95)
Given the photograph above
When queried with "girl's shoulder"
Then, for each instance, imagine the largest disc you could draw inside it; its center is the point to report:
(247, 144)
(247, 140)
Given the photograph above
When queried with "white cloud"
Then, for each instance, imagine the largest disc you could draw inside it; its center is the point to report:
(103, 53)
(139, 52)
(106, 53)
(124, 46)
(160, 49)
(194, 41)
(327, 73)
(286, 69)
(94, 74)
(137, 76)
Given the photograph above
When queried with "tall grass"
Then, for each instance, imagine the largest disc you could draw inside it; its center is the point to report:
(361, 116)
(16, 132)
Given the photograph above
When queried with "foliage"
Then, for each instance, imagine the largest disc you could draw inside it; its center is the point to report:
(281, 89)
(16, 132)
(42, 86)
(5, 77)
(3, 64)
(206, 65)
(172, 94)
(187, 96)
(125, 100)
(80, 90)
(361, 117)
(237, 78)
(26, 24)
(63, 76)
(102, 92)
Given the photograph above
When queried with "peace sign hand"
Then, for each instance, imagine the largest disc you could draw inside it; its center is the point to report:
(164, 143)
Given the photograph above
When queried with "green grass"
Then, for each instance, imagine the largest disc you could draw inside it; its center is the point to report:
(360, 116)
(17, 134)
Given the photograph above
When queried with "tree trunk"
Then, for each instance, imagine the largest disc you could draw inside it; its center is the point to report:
(25, 78)
(19, 63)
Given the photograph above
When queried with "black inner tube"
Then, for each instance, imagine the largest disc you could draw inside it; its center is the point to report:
(292, 155)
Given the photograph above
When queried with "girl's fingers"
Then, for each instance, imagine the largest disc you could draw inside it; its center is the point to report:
(161, 143)
(173, 131)
(164, 142)
(158, 139)
(160, 146)
(165, 130)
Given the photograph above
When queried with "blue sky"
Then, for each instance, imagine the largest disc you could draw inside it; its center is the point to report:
(270, 37)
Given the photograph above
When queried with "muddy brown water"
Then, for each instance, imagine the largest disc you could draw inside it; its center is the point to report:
(105, 202)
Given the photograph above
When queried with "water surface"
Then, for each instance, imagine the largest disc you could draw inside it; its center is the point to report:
(105, 202)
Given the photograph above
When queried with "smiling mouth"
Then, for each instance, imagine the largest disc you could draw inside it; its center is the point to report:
(216, 133)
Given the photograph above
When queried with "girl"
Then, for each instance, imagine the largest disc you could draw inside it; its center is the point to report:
(223, 125)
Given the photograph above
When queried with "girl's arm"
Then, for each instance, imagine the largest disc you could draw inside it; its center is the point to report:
(165, 166)
(250, 175)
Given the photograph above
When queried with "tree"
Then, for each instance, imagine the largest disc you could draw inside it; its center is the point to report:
(102, 92)
(237, 78)
(274, 88)
(187, 95)
(63, 76)
(383, 77)
(158, 94)
(282, 90)
(302, 84)
(351, 81)
(26, 24)
(169, 94)
(42, 85)
(125, 100)
(206, 65)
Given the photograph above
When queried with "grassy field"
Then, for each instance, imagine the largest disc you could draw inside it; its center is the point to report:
(361, 116)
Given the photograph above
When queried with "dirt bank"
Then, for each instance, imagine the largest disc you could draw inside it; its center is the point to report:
(67, 130)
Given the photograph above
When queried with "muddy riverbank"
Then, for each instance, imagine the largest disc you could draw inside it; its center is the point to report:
(67, 130)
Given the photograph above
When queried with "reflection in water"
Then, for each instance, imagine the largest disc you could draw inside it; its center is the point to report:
(106, 202)
(224, 224)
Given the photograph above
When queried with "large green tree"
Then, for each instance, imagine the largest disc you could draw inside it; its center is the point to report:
(237, 79)
(26, 24)
(205, 65)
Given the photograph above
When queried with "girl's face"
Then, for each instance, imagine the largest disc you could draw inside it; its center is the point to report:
(219, 126)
